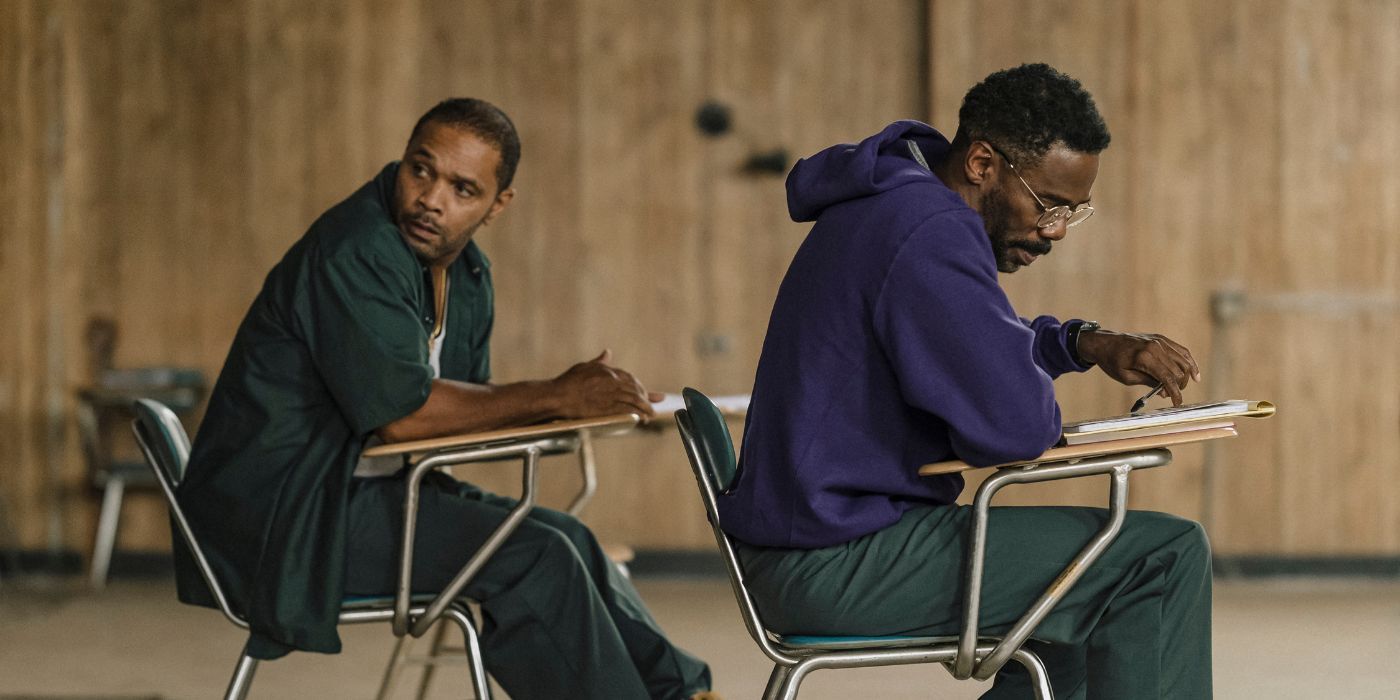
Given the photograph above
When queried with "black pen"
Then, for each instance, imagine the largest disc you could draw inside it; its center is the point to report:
(1140, 403)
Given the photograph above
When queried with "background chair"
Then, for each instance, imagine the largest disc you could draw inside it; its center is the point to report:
(167, 449)
(100, 408)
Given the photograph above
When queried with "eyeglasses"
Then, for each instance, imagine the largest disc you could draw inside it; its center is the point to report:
(1049, 216)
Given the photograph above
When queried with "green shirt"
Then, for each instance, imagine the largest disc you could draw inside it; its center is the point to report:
(334, 347)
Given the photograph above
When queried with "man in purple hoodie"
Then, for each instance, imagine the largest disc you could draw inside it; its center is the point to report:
(891, 345)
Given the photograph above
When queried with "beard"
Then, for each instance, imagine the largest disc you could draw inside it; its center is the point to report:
(997, 217)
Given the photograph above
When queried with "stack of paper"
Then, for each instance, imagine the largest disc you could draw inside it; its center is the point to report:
(1199, 416)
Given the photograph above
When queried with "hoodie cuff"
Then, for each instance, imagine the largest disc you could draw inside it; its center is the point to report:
(1052, 352)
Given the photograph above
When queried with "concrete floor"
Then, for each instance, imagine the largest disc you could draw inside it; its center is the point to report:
(1273, 639)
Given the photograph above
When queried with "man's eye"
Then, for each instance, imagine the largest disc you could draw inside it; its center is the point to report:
(420, 171)
(464, 191)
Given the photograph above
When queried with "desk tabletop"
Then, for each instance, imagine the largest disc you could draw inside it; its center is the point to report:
(619, 423)
(729, 405)
(1092, 449)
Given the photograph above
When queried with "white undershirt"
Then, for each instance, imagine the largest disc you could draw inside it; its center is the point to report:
(386, 466)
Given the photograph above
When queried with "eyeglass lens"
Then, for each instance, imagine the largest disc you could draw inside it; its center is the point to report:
(1071, 217)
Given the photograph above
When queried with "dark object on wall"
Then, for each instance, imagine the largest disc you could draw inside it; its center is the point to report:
(772, 162)
(714, 118)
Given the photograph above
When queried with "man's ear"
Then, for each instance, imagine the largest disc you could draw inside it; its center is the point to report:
(502, 199)
(979, 164)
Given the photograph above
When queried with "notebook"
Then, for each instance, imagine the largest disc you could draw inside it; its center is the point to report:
(1184, 417)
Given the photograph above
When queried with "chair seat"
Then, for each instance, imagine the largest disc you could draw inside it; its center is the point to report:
(804, 641)
(133, 473)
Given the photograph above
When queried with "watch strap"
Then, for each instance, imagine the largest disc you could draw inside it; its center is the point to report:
(1072, 341)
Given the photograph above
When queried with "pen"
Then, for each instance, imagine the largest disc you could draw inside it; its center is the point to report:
(1140, 403)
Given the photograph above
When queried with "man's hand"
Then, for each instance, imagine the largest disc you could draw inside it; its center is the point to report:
(1134, 358)
(596, 388)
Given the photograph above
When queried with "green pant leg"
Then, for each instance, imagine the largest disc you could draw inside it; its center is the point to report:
(1140, 617)
(546, 631)
(668, 671)
(1149, 591)
(1065, 664)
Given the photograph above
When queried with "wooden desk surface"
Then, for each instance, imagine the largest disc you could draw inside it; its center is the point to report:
(1093, 449)
(602, 424)
(729, 405)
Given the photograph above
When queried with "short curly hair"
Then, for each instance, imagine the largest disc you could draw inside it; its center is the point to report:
(487, 122)
(1026, 110)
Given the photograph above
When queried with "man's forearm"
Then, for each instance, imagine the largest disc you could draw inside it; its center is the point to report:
(458, 407)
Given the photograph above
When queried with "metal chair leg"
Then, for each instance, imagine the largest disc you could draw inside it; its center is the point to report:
(795, 676)
(242, 677)
(480, 684)
(777, 680)
(434, 651)
(1040, 679)
(106, 539)
(395, 667)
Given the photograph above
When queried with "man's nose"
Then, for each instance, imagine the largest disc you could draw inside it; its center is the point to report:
(1055, 231)
(431, 197)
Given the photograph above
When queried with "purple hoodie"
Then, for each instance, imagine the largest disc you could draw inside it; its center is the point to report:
(891, 345)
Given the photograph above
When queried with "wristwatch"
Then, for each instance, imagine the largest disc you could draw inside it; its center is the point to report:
(1072, 340)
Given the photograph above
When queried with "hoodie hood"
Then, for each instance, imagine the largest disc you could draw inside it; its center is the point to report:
(850, 171)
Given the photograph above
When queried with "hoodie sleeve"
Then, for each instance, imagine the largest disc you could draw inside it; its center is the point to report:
(1052, 346)
(958, 348)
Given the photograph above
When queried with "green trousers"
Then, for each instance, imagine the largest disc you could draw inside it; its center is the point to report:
(559, 620)
(1137, 625)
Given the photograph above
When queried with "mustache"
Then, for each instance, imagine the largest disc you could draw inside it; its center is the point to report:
(423, 220)
(1042, 248)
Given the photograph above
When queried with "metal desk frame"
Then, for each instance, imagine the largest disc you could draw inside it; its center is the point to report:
(974, 662)
(526, 444)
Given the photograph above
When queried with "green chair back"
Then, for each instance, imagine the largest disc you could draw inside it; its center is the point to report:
(167, 448)
(162, 432)
(712, 436)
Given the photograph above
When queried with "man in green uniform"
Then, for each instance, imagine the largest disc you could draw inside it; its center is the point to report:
(375, 326)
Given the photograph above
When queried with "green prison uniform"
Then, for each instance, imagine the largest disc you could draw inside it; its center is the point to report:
(335, 346)
(1137, 625)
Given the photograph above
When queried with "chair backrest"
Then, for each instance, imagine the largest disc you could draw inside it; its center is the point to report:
(712, 436)
(167, 449)
(711, 453)
(158, 429)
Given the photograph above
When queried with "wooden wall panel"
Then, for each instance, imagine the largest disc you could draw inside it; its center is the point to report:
(1323, 309)
(640, 263)
(537, 244)
(26, 92)
(798, 76)
(151, 210)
